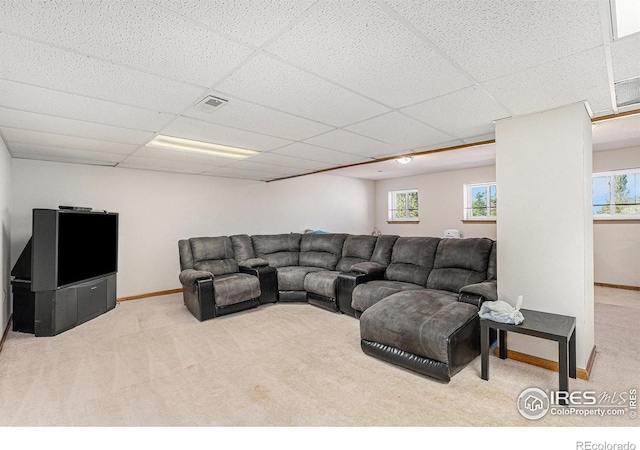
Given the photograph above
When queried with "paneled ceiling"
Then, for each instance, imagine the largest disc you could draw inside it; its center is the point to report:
(311, 85)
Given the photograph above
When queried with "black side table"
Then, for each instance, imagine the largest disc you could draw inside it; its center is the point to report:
(539, 324)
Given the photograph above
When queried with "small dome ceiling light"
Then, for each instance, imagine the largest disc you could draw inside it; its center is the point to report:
(404, 160)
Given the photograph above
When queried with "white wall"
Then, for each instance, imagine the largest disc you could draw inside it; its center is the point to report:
(440, 203)
(5, 238)
(545, 226)
(617, 245)
(157, 209)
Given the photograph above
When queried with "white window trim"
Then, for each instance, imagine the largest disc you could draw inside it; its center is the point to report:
(468, 199)
(614, 215)
(392, 206)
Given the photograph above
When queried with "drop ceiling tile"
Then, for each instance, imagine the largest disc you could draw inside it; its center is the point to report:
(267, 169)
(561, 82)
(481, 138)
(466, 113)
(439, 146)
(400, 130)
(314, 153)
(71, 127)
(188, 128)
(624, 57)
(228, 172)
(248, 116)
(352, 143)
(29, 62)
(51, 153)
(231, 17)
(163, 165)
(12, 135)
(360, 46)
(285, 162)
(46, 101)
(269, 82)
(136, 34)
(493, 38)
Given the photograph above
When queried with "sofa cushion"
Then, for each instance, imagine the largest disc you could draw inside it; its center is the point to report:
(460, 262)
(291, 278)
(205, 248)
(242, 247)
(235, 288)
(213, 254)
(383, 249)
(321, 250)
(218, 267)
(322, 283)
(368, 294)
(412, 259)
(418, 322)
(356, 249)
(278, 249)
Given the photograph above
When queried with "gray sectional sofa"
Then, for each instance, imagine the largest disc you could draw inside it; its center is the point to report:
(417, 298)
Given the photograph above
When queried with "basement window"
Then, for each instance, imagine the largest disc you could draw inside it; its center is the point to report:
(480, 201)
(403, 206)
(616, 194)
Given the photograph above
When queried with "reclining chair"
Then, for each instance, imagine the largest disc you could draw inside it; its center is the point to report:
(212, 283)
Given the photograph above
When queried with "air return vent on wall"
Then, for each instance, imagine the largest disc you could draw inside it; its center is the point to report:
(628, 92)
(210, 104)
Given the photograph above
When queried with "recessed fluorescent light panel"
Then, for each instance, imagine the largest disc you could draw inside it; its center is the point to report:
(205, 148)
(626, 17)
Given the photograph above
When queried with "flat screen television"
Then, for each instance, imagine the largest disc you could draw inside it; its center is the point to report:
(69, 247)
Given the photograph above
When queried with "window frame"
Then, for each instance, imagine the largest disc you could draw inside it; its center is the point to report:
(468, 201)
(392, 206)
(613, 215)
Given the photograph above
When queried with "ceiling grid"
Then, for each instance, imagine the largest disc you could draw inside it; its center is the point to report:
(311, 85)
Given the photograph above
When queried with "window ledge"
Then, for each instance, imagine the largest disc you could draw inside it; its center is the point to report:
(396, 222)
(610, 220)
(478, 221)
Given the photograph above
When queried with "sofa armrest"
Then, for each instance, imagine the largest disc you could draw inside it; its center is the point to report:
(189, 277)
(268, 277)
(253, 263)
(346, 283)
(368, 267)
(476, 294)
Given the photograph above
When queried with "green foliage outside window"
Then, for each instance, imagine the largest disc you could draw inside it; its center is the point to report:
(616, 194)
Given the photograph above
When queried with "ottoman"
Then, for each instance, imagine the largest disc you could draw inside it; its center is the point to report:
(426, 331)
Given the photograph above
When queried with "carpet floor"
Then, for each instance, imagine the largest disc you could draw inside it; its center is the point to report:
(149, 363)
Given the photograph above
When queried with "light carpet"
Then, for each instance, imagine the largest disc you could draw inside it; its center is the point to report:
(150, 363)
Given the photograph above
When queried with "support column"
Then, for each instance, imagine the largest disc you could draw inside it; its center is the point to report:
(545, 224)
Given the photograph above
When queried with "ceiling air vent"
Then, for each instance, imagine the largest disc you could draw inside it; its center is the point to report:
(628, 91)
(210, 104)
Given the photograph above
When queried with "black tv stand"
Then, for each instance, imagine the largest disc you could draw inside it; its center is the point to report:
(48, 313)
